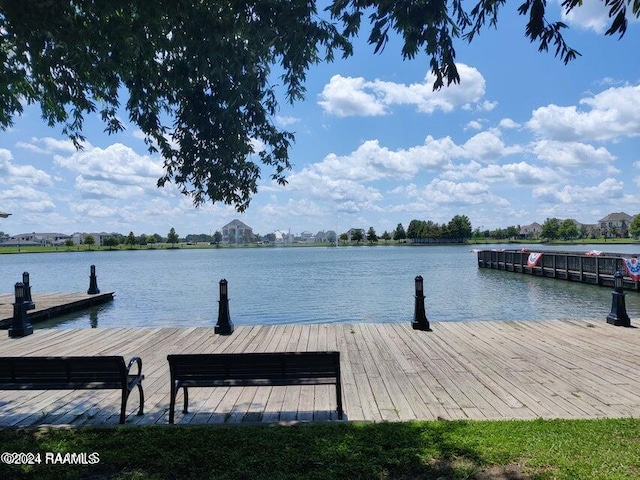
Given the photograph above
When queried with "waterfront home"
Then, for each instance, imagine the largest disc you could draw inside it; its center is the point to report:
(306, 237)
(237, 232)
(325, 237)
(35, 239)
(615, 225)
(531, 231)
(78, 237)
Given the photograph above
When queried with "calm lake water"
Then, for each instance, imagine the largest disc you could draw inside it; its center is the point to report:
(305, 285)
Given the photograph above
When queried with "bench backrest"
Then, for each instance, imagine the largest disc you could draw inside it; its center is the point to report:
(255, 368)
(58, 372)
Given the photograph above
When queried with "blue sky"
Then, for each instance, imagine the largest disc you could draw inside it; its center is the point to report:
(521, 139)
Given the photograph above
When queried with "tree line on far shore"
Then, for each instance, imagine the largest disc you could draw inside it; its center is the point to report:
(457, 230)
(567, 229)
(130, 241)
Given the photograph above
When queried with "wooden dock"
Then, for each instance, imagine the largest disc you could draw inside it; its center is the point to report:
(51, 305)
(572, 266)
(461, 370)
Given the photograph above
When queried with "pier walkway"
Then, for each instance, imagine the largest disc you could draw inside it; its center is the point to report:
(51, 305)
(462, 370)
(596, 268)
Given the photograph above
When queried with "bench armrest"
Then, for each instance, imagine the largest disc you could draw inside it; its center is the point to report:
(138, 361)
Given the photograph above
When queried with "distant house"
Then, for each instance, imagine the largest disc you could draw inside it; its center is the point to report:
(615, 225)
(531, 231)
(354, 230)
(237, 232)
(590, 230)
(307, 237)
(78, 237)
(36, 239)
(325, 237)
(283, 237)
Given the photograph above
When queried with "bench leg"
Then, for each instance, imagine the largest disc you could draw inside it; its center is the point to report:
(186, 399)
(141, 409)
(125, 397)
(172, 405)
(123, 406)
(339, 398)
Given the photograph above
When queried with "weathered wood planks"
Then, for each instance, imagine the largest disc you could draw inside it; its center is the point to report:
(390, 372)
(51, 305)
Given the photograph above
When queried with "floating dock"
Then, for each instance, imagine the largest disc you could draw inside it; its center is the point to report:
(596, 268)
(51, 305)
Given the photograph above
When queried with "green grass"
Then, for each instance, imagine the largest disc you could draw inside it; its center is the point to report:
(164, 246)
(540, 449)
(92, 248)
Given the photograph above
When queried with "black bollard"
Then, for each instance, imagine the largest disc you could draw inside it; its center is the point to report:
(20, 326)
(27, 291)
(224, 325)
(93, 282)
(420, 321)
(618, 315)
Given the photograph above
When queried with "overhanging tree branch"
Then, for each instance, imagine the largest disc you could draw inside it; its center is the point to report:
(198, 73)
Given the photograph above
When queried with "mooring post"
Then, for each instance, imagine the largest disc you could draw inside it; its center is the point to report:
(618, 315)
(420, 321)
(27, 291)
(224, 325)
(20, 325)
(93, 282)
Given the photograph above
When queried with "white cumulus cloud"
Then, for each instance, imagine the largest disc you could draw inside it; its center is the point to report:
(608, 189)
(48, 145)
(572, 154)
(116, 171)
(346, 96)
(447, 192)
(11, 173)
(609, 115)
(349, 96)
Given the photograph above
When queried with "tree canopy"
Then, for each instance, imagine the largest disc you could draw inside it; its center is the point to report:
(172, 236)
(568, 229)
(197, 77)
(399, 233)
(634, 227)
(89, 240)
(130, 240)
(372, 237)
(550, 228)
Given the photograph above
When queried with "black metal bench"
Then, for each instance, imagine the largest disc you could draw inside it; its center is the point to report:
(253, 369)
(73, 373)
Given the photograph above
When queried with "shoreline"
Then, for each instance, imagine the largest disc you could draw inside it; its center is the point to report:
(472, 242)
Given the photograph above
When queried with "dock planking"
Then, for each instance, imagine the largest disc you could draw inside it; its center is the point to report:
(390, 372)
(51, 305)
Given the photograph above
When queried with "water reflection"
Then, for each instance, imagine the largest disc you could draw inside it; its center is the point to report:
(80, 319)
(93, 318)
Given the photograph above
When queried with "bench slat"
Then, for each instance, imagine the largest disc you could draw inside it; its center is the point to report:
(72, 373)
(253, 369)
